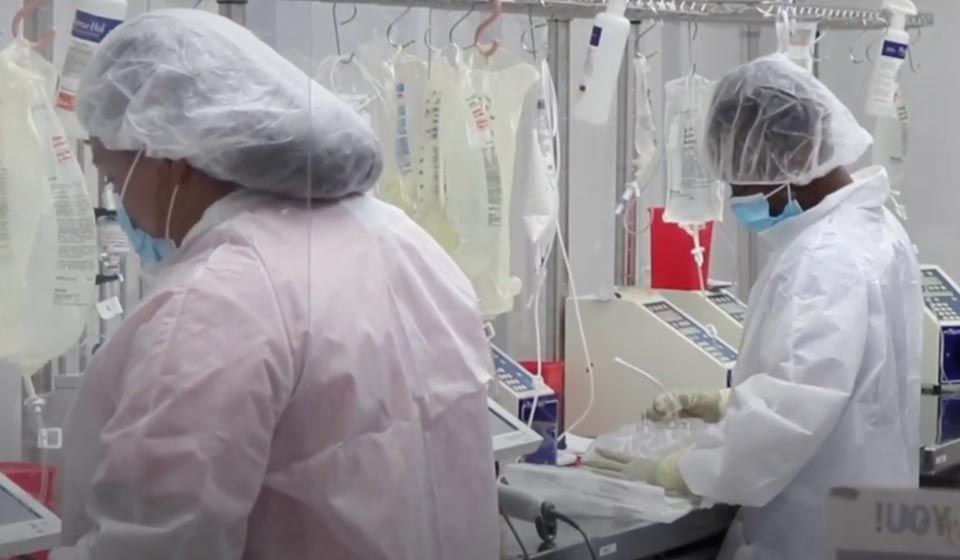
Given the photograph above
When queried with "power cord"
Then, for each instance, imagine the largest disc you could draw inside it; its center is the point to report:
(573, 524)
(523, 549)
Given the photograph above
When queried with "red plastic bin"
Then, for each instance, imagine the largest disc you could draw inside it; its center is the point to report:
(553, 377)
(29, 477)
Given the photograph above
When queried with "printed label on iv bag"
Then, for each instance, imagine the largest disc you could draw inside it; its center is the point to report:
(76, 229)
(481, 135)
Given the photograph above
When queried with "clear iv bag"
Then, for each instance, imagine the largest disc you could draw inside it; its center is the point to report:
(48, 240)
(646, 146)
(540, 202)
(397, 82)
(693, 197)
(890, 141)
(431, 200)
(478, 139)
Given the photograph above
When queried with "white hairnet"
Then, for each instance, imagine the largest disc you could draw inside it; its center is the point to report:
(772, 122)
(186, 84)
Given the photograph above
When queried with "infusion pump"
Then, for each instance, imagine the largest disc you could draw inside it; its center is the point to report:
(718, 307)
(642, 328)
(941, 331)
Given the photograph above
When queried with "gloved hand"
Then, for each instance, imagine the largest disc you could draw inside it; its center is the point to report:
(664, 473)
(706, 405)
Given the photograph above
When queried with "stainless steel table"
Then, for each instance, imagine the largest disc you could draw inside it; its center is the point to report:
(697, 535)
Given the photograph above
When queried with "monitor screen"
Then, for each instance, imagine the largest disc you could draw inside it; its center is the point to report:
(12, 510)
(499, 426)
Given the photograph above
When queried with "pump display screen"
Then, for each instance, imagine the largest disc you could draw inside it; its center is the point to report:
(669, 316)
(12, 510)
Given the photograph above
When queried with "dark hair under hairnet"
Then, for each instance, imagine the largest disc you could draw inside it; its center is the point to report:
(186, 84)
(771, 122)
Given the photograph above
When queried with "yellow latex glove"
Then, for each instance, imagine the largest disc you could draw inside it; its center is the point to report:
(664, 473)
(706, 405)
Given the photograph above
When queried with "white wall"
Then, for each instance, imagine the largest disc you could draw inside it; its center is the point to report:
(930, 190)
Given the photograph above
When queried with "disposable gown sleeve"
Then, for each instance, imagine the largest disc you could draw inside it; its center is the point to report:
(814, 338)
(186, 451)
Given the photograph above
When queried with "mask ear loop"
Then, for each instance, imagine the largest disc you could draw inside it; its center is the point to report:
(126, 181)
(173, 199)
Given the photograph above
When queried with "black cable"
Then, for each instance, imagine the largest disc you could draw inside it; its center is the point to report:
(523, 549)
(573, 524)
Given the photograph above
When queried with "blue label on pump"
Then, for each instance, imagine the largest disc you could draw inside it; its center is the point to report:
(92, 28)
(895, 50)
(595, 36)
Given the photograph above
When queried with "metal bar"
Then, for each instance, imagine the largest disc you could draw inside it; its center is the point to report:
(234, 9)
(747, 242)
(556, 285)
(734, 12)
(626, 110)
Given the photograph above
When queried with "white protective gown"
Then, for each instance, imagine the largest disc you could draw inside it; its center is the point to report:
(299, 384)
(826, 391)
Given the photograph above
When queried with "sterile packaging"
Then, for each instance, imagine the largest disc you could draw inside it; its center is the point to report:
(651, 440)
(580, 492)
(48, 233)
(93, 20)
(693, 197)
(601, 69)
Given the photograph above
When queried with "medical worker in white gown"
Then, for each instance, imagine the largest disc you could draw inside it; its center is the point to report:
(826, 390)
(306, 376)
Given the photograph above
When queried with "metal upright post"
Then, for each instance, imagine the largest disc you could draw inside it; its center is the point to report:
(747, 244)
(234, 9)
(556, 288)
(625, 245)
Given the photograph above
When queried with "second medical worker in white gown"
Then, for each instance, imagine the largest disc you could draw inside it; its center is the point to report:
(306, 377)
(826, 389)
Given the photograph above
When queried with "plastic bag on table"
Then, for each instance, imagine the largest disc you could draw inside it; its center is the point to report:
(48, 235)
(650, 440)
(694, 197)
(580, 492)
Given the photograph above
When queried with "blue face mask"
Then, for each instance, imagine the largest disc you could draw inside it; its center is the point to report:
(150, 249)
(754, 211)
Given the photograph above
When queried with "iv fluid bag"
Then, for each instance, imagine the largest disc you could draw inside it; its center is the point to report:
(48, 239)
(646, 146)
(478, 137)
(890, 137)
(693, 196)
(431, 209)
(395, 110)
(538, 179)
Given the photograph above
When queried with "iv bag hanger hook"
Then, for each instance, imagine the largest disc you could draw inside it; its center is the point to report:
(453, 29)
(403, 14)
(914, 67)
(853, 45)
(641, 35)
(531, 31)
(16, 25)
(693, 29)
(488, 50)
(336, 33)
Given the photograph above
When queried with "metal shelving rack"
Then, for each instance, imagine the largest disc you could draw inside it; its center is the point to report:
(747, 14)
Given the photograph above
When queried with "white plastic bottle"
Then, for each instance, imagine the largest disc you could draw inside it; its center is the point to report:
(893, 51)
(93, 20)
(608, 38)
